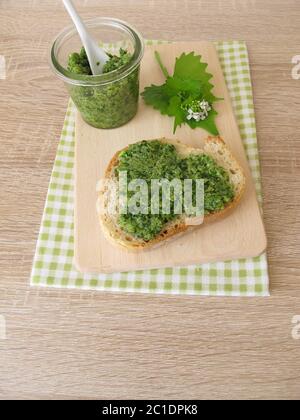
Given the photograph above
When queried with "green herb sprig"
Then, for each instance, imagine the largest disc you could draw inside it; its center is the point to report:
(187, 95)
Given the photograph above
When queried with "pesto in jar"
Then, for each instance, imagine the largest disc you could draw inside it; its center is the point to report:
(109, 105)
(148, 160)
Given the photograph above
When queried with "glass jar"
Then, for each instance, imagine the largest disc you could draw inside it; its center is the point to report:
(108, 100)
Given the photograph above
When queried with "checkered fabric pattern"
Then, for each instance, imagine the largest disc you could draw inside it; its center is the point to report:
(53, 261)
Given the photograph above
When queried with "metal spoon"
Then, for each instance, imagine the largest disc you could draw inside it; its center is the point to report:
(97, 56)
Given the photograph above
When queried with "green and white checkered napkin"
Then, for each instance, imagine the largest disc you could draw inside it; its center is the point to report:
(53, 261)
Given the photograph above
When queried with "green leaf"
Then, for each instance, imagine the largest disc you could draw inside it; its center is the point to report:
(208, 124)
(176, 111)
(157, 97)
(190, 81)
(189, 66)
(176, 84)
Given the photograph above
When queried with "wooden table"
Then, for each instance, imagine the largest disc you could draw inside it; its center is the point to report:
(72, 344)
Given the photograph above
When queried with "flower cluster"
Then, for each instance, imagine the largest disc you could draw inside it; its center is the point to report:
(197, 110)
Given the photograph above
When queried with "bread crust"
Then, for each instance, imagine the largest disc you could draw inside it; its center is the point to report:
(213, 146)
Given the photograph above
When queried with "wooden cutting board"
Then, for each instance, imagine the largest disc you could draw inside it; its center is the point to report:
(239, 235)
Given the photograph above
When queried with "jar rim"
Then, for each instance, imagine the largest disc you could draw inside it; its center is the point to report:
(102, 79)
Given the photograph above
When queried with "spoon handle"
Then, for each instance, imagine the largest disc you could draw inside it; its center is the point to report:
(81, 29)
(96, 56)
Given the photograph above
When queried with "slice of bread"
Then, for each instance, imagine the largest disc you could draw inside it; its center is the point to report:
(214, 147)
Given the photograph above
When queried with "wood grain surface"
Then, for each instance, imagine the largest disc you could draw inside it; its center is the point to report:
(239, 235)
(72, 344)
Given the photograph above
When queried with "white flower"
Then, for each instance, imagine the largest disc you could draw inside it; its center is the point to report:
(191, 114)
(202, 114)
(205, 106)
(197, 116)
